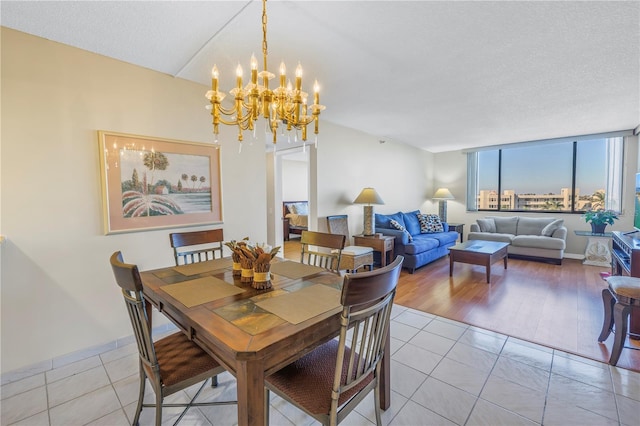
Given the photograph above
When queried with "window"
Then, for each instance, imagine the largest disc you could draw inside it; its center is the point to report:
(561, 176)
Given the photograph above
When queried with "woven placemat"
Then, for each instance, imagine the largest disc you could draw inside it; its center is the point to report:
(201, 267)
(201, 290)
(303, 304)
(294, 270)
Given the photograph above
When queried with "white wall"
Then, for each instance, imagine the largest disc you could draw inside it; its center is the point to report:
(295, 180)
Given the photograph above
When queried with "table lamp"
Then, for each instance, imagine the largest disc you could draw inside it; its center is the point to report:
(368, 196)
(443, 194)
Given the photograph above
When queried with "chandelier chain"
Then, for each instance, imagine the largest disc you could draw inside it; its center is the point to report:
(264, 32)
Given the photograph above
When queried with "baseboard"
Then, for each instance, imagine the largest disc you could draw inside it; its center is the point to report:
(60, 361)
(536, 258)
(574, 256)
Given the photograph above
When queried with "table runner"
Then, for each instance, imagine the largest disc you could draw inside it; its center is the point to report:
(294, 270)
(201, 290)
(303, 304)
(206, 266)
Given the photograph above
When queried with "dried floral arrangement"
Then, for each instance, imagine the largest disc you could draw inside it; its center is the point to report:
(261, 266)
(236, 254)
(254, 263)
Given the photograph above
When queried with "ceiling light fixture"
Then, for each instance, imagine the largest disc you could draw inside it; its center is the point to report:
(286, 105)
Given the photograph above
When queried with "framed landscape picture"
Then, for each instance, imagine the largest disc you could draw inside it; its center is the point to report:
(151, 183)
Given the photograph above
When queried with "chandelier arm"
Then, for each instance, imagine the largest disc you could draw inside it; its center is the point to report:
(234, 110)
(227, 111)
(244, 119)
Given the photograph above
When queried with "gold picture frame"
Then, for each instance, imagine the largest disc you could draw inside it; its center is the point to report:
(152, 183)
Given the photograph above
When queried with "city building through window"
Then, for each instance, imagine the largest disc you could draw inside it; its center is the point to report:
(565, 175)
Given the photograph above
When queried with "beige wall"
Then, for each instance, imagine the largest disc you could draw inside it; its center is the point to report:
(400, 174)
(58, 294)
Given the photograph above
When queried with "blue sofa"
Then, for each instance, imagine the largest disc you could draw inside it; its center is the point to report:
(425, 248)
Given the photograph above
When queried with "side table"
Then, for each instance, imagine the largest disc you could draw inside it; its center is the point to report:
(459, 228)
(598, 252)
(383, 244)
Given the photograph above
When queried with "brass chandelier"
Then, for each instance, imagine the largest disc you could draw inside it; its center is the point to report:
(285, 106)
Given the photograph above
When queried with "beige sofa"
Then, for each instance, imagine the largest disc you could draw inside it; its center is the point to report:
(528, 237)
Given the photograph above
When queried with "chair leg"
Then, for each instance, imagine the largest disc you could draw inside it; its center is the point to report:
(376, 398)
(607, 324)
(620, 319)
(267, 405)
(214, 381)
(143, 382)
(158, 409)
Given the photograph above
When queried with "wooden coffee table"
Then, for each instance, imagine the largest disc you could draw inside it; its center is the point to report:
(478, 252)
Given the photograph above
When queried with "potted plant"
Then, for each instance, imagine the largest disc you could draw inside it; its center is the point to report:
(599, 219)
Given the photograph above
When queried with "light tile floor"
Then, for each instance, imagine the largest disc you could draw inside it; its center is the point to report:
(443, 373)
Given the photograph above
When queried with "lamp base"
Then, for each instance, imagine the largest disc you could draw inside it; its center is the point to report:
(442, 211)
(369, 225)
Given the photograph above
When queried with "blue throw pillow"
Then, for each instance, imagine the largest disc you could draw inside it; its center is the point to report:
(382, 220)
(411, 222)
(396, 225)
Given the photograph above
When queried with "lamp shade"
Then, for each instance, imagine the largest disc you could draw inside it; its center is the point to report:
(368, 196)
(443, 194)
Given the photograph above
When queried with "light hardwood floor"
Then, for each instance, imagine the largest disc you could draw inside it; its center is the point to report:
(559, 306)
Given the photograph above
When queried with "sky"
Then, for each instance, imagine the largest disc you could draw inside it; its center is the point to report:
(546, 168)
(178, 164)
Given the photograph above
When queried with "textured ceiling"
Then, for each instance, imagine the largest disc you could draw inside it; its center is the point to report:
(440, 75)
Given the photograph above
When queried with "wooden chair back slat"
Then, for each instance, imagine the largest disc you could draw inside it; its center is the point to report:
(329, 258)
(364, 325)
(212, 238)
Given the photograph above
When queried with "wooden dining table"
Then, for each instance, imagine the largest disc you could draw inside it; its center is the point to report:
(253, 333)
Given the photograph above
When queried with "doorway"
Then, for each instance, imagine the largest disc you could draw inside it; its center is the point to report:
(294, 172)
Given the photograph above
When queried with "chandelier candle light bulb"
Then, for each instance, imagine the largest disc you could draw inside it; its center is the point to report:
(214, 79)
(283, 74)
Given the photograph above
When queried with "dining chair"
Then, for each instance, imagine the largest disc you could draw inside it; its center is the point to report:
(331, 380)
(209, 242)
(171, 364)
(321, 249)
(353, 257)
(621, 296)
